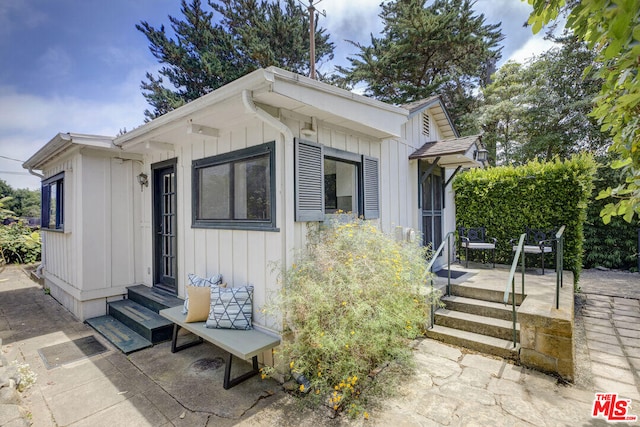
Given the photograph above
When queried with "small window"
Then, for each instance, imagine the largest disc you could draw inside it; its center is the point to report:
(52, 210)
(235, 190)
(340, 186)
(426, 125)
(328, 180)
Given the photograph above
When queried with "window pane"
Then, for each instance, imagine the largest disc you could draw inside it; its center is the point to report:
(252, 195)
(340, 186)
(215, 200)
(53, 192)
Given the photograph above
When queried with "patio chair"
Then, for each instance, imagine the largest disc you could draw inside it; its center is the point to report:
(475, 238)
(537, 241)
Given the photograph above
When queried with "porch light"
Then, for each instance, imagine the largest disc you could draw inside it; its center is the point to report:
(481, 155)
(143, 180)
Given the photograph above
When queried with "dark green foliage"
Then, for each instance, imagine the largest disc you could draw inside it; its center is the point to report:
(212, 49)
(614, 245)
(443, 48)
(545, 195)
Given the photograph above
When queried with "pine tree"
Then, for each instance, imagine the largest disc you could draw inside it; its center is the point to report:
(213, 48)
(443, 48)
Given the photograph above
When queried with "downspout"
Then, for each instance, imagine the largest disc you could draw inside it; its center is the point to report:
(288, 180)
(42, 236)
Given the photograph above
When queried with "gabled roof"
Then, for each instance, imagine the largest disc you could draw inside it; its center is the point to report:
(439, 112)
(63, 142)
(451, 152)
(272, 88)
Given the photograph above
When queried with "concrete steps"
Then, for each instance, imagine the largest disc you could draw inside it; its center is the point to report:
(476, 318)
(134, 323)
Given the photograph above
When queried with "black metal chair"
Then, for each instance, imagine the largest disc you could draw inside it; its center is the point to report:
(474, 238)
(537, 241)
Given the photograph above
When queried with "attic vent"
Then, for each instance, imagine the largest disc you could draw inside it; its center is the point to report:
(426, 125)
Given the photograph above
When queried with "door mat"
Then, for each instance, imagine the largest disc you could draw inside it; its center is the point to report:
(67, 352)
(454, 274)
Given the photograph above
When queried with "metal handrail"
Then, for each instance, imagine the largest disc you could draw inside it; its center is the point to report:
(512, 281)
(447, 240)
(559, 263)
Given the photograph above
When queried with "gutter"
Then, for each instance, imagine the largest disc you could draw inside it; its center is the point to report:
(267, 118)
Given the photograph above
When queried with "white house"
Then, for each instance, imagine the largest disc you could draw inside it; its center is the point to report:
(230, 182)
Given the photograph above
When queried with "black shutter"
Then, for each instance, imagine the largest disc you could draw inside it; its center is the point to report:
(371, 187)
(309, 181)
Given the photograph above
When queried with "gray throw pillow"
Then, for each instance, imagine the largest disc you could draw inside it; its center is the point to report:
(231, 308)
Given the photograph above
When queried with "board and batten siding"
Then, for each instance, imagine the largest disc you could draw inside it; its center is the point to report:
(241, 256)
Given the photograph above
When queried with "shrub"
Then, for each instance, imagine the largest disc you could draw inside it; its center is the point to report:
(540, 195)
(352, 301)
(19, 244)
(614, 245)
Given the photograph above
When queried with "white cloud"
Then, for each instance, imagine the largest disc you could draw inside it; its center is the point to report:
(16, 14)
(533, 47)
(55, 63)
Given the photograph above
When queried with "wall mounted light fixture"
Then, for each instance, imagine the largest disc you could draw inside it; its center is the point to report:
(481, 155)
(143, 180)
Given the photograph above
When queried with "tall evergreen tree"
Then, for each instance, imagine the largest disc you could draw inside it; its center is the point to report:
(443, 48)
(213, 48)
(541, 109)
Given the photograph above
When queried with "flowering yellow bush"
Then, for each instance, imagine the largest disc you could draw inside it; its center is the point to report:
(352, 301)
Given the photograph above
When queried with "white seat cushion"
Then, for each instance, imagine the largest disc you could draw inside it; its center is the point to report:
(533, 249)
(478, 245)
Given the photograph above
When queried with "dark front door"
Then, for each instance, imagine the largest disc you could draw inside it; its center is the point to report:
(432, 195)
(164, 226)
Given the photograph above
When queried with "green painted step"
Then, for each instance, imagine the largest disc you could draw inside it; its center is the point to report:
(146, 322)
(118, 334)
(151, 298)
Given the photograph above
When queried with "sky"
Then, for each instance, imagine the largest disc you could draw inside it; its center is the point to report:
(76, 65)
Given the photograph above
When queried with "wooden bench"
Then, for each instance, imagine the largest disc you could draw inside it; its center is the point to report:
(239, 343)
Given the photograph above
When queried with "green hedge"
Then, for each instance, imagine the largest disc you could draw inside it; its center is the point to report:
(614, 245)
(507, 199)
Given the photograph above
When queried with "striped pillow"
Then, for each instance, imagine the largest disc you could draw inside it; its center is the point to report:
(231, 308)
(195, 280)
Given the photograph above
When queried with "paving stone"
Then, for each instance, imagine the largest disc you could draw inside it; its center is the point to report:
(631, 342)
(499, 387)
(626, 301)
(467, 393)
(473, 415)
(609, 329)
(605, 348)
(488, 364)
(635, 362)
(628, 333)
(597, 297)
(521, 409)
(614, 373)
(537, 382)
(512, 372)
(635, 326)
(606, 385)
(621, 319)
(604, 303)
(609, 359)
(440, 349)
(560, 411)
(475, 377)
(436, 366)
(603, 338)
(437, 408)
(626, 311)
(596, 321)
(594, 313)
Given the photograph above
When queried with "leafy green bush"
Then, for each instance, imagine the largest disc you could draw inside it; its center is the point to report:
(19, 244)
(545, 195)
(351, 302)
(614, 245)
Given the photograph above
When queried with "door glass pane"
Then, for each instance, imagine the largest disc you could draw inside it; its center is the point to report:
(437, 192)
